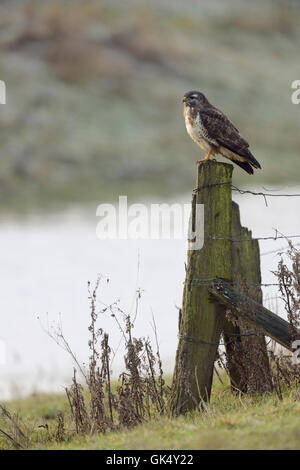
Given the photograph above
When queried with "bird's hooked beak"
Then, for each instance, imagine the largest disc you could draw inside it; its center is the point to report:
(184, 99)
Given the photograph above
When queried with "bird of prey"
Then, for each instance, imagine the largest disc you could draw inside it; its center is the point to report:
(215, 134)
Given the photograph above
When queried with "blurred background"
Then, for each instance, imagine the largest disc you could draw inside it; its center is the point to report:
(94, 111)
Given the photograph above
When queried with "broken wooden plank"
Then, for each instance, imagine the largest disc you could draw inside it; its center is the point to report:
(271, 324)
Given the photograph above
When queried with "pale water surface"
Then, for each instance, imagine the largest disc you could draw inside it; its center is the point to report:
(46, 262)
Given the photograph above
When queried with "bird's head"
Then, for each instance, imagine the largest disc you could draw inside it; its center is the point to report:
(194, 98)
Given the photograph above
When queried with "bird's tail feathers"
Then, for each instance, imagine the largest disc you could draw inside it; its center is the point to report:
(245, 165)
(252, 159)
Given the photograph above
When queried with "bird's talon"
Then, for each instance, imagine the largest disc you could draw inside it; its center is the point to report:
(206, 160)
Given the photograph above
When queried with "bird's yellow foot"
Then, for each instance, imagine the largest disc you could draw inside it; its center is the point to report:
(206, 160)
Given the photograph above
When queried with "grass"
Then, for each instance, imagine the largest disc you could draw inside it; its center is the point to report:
(231, 422)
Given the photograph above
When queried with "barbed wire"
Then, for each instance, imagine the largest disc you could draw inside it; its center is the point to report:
(208, 281)
(191, 339)
(277, 236)
(240, 240)
(279, 250)
(254, 193)
(210, 185)
(245, 191)
(270, 237)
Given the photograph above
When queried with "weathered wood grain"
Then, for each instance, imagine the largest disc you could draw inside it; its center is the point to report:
(270, 323)
(201, 320)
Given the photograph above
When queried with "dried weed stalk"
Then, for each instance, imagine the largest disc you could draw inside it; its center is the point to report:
(245, 358)
(140, 391)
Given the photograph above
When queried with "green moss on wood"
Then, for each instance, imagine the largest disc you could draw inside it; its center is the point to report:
(251, 349)
(202, 319)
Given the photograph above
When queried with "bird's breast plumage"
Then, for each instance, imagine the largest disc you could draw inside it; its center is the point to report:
(195, 127)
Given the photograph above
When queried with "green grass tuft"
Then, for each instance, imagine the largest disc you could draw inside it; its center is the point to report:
(231, 422)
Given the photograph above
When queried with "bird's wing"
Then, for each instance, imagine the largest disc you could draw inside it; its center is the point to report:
(220, 129)
(223, 131)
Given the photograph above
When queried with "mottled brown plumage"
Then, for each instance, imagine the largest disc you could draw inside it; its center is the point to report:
(215, 134)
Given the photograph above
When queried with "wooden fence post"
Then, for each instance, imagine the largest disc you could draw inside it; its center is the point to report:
(202, 320)
(247, 357)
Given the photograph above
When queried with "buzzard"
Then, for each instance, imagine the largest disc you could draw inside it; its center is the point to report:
(215, 134)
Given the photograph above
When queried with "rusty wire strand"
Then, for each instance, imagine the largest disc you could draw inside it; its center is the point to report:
(191, 339)
(245, 191)
(208, 281)
(274, 238)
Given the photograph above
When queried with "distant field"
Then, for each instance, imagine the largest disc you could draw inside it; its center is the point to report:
(94, 94)
(230, 423)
